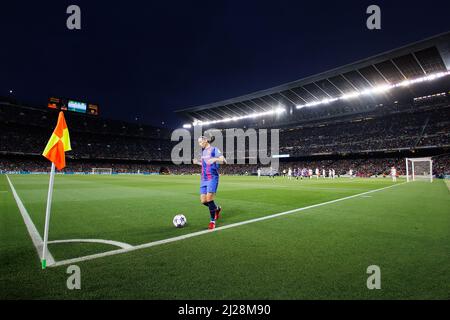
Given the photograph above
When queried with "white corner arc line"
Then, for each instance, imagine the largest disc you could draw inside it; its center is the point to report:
(119, 244)
(32, 231)
(199, 233)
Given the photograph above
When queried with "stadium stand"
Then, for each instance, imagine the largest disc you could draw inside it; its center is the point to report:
(423, 127)
(25, 130)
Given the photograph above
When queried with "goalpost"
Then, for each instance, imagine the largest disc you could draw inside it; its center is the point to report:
(419, 169)
(101, 170)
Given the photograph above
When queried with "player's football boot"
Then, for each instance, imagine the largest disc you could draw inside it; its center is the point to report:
(211, 226)
(218, 211)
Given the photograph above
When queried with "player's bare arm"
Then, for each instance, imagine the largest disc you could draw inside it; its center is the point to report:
(218, 160)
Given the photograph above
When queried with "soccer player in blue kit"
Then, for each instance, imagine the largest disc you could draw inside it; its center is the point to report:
(210, 161)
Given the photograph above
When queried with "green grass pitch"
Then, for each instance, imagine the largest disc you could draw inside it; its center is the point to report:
(319, 253)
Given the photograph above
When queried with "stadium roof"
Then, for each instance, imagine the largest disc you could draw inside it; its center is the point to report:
(397, 67)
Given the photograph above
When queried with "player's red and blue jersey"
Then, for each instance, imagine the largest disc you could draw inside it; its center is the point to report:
(210, 172)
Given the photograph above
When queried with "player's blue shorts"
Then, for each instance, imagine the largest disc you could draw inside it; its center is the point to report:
(209, 186)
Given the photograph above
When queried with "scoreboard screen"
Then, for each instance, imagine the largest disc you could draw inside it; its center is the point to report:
(73, 106)
(76, 106)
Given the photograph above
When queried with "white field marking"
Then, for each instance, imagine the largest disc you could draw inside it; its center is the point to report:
(447, 182)
(122, 245)
(199, 233)
(34, 234)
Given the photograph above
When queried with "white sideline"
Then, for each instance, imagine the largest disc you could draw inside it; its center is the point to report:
(119, 244)
(34, 234)
(199, 233)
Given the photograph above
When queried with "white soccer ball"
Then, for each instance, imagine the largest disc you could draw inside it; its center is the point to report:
(179, 221)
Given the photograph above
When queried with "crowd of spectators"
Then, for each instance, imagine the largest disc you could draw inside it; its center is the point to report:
(27, 130)
(132, 147)
(426, 128)
(360, 167)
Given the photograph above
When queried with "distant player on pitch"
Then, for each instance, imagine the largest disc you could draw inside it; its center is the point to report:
(211, 158)
(272, 173)
(394, 174)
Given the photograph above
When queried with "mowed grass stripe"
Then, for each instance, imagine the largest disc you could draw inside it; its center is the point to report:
(199, 233)
(143, 213)
(322, 255)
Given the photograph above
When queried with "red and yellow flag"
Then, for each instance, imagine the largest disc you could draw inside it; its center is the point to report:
(58, 144)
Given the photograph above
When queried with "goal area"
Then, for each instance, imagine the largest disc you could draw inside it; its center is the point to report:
(419, 169)
(101, 170)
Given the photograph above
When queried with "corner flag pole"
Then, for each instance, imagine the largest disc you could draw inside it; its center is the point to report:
(47, 215)
(54, 151)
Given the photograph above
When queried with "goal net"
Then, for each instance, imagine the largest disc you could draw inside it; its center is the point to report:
(101, 170)
(419, 169)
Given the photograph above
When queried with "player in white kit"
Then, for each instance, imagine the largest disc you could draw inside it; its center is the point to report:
(394, 174)
(317, 173)
(290, 174)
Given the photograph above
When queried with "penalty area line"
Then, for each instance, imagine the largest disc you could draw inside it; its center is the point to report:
(199, 233)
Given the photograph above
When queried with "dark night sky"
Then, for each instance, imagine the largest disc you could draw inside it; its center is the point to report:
(148, 58)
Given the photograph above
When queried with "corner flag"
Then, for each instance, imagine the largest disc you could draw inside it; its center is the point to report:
(55, 150)
(58, 144)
